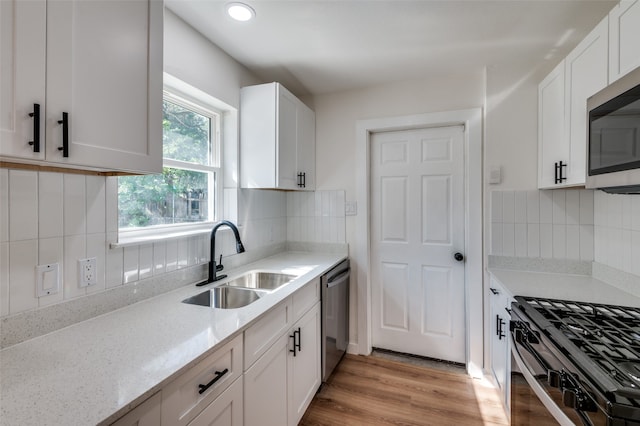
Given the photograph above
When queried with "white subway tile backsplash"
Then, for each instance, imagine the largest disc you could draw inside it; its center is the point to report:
(520, 240)
(23, 205)
(559, 241)
(572, 207)
(172, 255)
(114, 273)
(614, 237)
(546, 241)
(183, 251)
(50, 205)
(111, 204)
(599, 208)
(145, 261)
(508, 239)
(586, 243)
(496, 206)
(635, 213)
(96, 204)
(23, 256)
(586, 207)
(626, 213)
(533, 240)
(75, 215)
(614, 211)
(573, 242)
(131, 264)
(508, 207)
(625, 246)
(159, 257)
(496, 240)
(559, 208)
(4, 278)
(4, 205)
(546, 206)
(533, 206)
(520, 212)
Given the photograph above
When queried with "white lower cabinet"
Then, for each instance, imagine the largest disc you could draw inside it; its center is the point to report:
(499, 305)
(280, 385)
(226, 410)
(191, 393)
(265, 387)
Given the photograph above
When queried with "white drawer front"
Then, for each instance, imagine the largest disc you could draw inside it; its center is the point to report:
(260, 336)
(226, 410)
(182, 400)
(305, 298)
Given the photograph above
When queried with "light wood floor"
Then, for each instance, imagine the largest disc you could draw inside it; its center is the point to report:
(374, 391)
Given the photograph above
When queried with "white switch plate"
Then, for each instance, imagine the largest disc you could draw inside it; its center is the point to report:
(47, 279)
(350, 208)
(88, 272)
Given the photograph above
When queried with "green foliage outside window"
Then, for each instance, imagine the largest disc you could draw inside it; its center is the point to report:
(177, 195)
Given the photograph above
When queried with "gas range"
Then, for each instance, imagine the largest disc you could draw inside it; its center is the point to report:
(589, 352)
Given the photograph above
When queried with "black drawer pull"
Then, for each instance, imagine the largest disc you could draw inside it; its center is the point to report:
(219, 375)
(36, 128)
(494, 291)
(65, 134)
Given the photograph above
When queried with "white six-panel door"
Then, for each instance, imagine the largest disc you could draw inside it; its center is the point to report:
(417, 225)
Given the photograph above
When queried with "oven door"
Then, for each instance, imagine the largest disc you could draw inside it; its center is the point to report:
(536, 382)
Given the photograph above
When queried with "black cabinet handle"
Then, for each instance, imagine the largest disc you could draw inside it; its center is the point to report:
(218, 376)
(299, 340)
(500, 327)
(302, 180)
(296, 342)
(65, 134)
(36, 128)
(493, 290)
(559, 175)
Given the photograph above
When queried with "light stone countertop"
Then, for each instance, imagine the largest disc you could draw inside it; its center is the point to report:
(97, 370)
(579, 288)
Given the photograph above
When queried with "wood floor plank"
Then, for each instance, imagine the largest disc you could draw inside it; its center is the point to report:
(375, 391)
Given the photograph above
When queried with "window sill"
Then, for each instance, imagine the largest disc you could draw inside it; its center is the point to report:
(149, 236)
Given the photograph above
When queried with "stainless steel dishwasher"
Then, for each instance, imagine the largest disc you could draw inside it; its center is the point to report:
(335, 316)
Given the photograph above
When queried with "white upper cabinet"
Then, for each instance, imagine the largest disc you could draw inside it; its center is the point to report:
(562, 110)
(103, 74)
(624, 33)
(277, 139)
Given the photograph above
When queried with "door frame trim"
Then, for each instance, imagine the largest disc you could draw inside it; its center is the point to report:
(471, 119)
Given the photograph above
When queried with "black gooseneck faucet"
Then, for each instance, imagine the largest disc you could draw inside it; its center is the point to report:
(213, 268)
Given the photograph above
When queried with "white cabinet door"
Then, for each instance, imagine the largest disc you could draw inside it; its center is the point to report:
(586, 71)
(624, 33)
(305, 364)
(145, 414)
(277, 139)
(104, 68)
(306, 151)
(226, 410)
(287, 139)
(22, 76)
(552, 147)
(265, 387)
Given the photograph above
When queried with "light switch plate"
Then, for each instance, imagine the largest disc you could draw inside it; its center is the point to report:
(47, 279)
(350, 208)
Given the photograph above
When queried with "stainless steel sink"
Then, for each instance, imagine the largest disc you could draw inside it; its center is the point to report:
(225, 297)
(260, 280)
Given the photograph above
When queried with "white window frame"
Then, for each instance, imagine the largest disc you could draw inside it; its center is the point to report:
(202, 104)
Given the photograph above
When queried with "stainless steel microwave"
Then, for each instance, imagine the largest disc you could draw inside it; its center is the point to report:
(613, 153)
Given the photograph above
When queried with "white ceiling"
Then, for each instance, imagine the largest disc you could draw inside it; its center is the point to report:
(315, 47)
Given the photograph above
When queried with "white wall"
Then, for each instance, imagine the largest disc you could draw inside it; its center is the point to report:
(336, 117)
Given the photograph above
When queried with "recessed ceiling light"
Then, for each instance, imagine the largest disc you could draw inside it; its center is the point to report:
(240, 11)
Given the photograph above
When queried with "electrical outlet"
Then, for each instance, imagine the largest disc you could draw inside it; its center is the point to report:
(88, 272)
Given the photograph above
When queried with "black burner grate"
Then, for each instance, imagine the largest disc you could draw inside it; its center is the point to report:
(608, 335)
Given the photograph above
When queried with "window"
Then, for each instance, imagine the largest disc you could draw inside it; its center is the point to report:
(185, 192)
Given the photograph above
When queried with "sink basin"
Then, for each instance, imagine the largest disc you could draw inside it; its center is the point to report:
(260, 280)
(225, 297)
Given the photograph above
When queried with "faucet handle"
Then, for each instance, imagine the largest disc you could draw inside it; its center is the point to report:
(220, 266)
